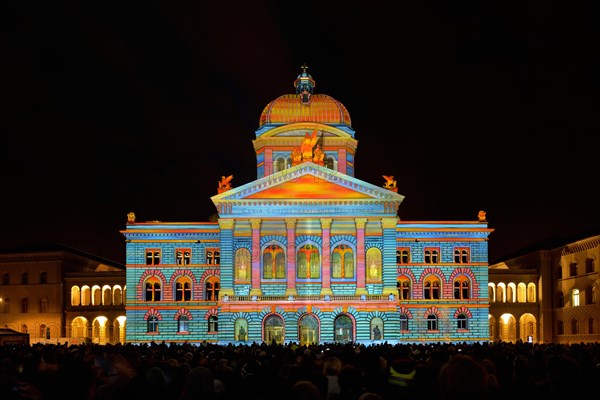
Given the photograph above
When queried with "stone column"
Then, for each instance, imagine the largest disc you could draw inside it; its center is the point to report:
(326, 263)
(361, 223)
(226, 263)
(255, 291)
(388, 262)
(290, 225)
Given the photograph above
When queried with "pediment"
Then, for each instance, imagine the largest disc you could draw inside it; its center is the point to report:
(308, 181)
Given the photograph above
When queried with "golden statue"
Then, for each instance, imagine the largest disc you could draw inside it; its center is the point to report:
(131, 217)
(296, 155)
(389, 182)
(307, 146)
(225, 183)
(481, 216)
(318, 156)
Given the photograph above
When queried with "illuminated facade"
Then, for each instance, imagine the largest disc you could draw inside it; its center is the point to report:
(307, 252)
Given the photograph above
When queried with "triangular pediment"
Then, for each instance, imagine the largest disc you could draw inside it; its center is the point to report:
(306, 185)
(308, 181)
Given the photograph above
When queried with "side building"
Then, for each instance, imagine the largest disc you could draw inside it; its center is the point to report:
(307, 252)
(547, 293)
(56, 293)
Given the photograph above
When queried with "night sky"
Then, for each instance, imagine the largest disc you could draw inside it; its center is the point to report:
(471, 105)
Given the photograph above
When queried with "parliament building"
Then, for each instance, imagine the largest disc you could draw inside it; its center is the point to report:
(307, 252)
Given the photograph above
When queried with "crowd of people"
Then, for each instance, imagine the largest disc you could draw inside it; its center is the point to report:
(169, 371)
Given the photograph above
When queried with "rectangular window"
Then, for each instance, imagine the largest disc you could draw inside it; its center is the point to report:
(183, 256)
(431, 255)
(152, 256)
(462, 255)
(402, 255)
(213, 256)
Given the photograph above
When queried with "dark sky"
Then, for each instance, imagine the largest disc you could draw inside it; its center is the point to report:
(471, 105)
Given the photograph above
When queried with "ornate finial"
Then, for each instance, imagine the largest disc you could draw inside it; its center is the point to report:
(481, 216)
(131, 217)
(304, 68)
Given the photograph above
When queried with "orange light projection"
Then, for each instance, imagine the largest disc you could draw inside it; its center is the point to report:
(308, 187)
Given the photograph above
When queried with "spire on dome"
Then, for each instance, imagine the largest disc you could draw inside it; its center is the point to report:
(304, 84)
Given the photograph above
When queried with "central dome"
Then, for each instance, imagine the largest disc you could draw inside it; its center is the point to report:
(292, 108)
(304, 106)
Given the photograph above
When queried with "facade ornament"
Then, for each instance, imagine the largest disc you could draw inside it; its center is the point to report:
(390, 183)
(481, 216)
(225, 183)
(131, 217)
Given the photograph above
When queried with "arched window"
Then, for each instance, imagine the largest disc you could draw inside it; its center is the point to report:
(404, 287)
(431, 288)
(575, 298)
(432, 322)
(242, 265)
(462, 322)
(183, 289)
(183, 324)
(343, 329)
(531, 295)
(331, 163)
(44, 304)
(153, 289)
(212, 288)
(274, 329)
(373, 265)
(5, 278)
(24, 278)
(152, 325)
(75, 296)
(462, 288)
(213, 323)
(25, 305)
(308, 262)
(273, 262)
(309, 330)
(403, 322)
(43, 278)
(342, 262)
(461, 256)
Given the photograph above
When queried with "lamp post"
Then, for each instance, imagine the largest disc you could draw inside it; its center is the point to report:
(0, 312)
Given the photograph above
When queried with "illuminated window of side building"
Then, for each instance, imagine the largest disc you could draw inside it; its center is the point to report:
(431, 288)
(212, 288)
(404, 287)
(402, 255)
(183, 289)
(152, 256)
(213, 256)
(153, 289)
(462, 287)
(461, 255)
(183, 256)
(432, 255)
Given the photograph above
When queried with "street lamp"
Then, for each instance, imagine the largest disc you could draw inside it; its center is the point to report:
(0, 312)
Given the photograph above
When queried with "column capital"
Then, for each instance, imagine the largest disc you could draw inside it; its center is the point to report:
(226, 223)
(326, 223)
(290, 223)
(255, 223)
(361, 223)
(389, 223)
